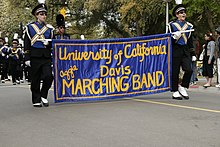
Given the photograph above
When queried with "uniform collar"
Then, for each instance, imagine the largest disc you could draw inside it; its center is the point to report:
(180, 21)
(41, 24)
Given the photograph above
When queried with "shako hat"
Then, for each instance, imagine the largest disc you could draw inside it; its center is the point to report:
(41, 7)
(178, 8)
(60, 20)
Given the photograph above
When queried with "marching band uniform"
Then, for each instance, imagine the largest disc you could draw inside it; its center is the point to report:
(181, 54)
(15, 62)
(61, 25)
(38, 55)
(21, 71)
(4, 52)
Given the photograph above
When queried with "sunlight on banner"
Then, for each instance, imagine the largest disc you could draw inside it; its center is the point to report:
(113, 68)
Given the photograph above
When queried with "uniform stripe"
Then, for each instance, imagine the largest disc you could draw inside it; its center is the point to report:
(39, 33)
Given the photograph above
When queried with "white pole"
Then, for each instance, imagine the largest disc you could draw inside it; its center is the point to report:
(167, 16)
(186, 31)
(44, 39)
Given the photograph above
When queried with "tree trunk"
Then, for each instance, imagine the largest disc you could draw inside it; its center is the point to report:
(210, 20)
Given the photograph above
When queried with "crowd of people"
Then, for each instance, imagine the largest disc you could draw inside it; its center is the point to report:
(12, 67)
(33, 57)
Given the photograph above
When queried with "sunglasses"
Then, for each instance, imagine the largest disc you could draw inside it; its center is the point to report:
(61, 27)
(43, 14)
(181, 12)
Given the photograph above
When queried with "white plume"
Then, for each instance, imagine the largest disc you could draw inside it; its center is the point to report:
(178, 2)
(82, 37)
(41, 1)
(6, 39)
(15, 36)
(21, 42)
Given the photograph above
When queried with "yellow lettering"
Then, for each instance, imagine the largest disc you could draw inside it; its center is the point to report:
(93, 86)
(136, 82)
(104, 71)
(79, 87)
(102, 84)
(68, 85)
(159, 78)
(87, 84)
(124, 86)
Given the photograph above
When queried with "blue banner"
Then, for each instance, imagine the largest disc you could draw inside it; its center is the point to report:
(111, 68)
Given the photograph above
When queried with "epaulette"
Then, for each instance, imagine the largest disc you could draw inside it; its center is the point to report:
(189, 24)
(26, 27)
(50, 26)
(170, 22)
(19, 49)
(30, 23)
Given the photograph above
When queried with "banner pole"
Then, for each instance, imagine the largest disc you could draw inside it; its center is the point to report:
(186, 31)
(44, 39)
(167, 16)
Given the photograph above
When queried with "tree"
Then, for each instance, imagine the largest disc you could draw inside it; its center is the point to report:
(111, 19)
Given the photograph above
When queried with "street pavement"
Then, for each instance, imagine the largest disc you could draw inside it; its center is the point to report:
(143, 121)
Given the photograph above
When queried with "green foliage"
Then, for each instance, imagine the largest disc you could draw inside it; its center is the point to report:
(112, 18)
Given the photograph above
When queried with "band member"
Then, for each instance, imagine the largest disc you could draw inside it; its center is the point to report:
(15, 61)
(182, 52)
(38, 55)
(61, 28)
(21, 57)
(4, 51)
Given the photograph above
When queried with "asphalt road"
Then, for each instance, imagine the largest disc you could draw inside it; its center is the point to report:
(146, 121)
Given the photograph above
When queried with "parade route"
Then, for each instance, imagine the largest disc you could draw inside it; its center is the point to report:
(150, 120)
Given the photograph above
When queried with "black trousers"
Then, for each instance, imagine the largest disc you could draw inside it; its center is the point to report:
(14, 72)
(185, 62)
(40, 70)
(4, 70)
(207, 69)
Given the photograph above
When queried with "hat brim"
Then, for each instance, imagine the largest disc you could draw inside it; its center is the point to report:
(179, 9)
(39, 8)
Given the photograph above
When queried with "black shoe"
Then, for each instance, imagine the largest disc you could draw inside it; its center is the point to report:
(177, 98)
(186, 97)
(45, 104)
(37, 105)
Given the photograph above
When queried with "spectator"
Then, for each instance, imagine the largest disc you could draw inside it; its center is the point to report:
(208, 59)
(218, 55)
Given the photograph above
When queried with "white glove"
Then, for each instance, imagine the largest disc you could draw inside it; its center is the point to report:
(176, 35)
(3, 54)
(193, 58)
(45, 42)
(28, 63)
